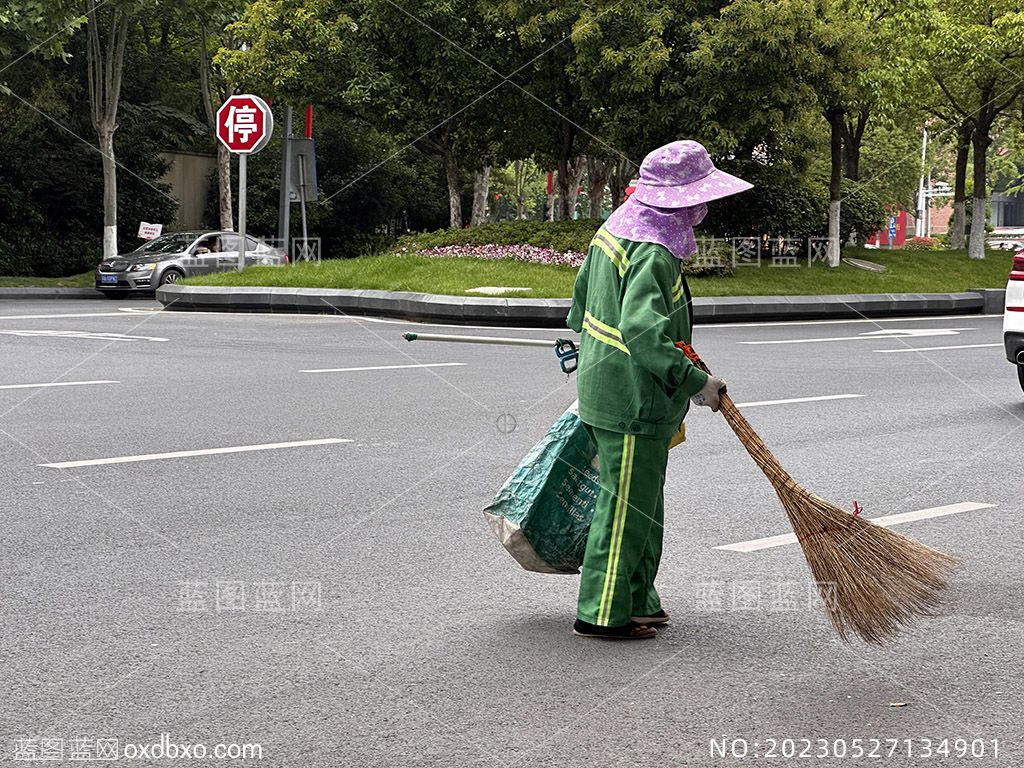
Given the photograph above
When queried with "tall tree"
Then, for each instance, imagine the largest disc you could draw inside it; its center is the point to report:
(426, 72)
(209, 19)
(553, 108)
(107, 30)
(977, 60)
(835, 55)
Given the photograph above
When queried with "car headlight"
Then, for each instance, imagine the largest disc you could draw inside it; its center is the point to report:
(142, 267)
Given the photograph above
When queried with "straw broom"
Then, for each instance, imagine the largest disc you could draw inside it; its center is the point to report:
(872, 580)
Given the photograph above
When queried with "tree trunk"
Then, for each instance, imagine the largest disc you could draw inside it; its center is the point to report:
(224, 202)
(106, 142)
(597, 179)
(566, 173)
(621, 174)
(451, 172)
(981, 141)
(520, 188)
(481, 188)
(853, 135)
(834, 115)
(569, 187)
(958, 223)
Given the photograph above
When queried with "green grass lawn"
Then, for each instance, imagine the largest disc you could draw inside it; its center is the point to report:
(84, 280)
(909, 272)
(387, 272)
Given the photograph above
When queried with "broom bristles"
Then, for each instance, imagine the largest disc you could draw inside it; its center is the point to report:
(873, 581)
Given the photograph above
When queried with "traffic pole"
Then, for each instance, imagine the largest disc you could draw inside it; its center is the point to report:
(241, 211)
(284, 208)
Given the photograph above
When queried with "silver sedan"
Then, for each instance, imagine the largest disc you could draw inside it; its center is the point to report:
(176, 255)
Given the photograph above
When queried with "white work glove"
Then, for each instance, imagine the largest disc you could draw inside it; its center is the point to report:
(709, 393)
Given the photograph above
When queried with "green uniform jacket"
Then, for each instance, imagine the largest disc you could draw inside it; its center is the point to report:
(631, 304)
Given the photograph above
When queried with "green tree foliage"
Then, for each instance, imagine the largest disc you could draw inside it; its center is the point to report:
(37, 26)
(816, 101)
(51, 180)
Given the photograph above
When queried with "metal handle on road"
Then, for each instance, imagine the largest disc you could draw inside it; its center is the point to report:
(566, 350)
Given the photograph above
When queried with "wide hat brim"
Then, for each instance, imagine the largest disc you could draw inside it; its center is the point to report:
(715, 185)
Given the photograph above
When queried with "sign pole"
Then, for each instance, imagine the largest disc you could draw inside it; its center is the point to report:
(241, 211)
(284, 202)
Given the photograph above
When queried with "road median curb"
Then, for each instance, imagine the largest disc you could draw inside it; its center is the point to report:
(476, 310)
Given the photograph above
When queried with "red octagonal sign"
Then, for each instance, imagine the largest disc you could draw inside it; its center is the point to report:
(244, 124)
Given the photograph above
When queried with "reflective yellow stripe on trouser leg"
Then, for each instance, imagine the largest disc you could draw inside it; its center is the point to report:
(618, 527)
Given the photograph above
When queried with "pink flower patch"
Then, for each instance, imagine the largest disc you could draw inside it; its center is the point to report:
(530, 254)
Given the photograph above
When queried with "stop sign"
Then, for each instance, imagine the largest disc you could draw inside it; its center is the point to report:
(244, 124)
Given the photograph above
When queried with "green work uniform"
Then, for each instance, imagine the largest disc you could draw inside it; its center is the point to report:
(631, 305)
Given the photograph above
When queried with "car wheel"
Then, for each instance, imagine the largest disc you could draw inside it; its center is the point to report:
(170, 277)
(1020, 375)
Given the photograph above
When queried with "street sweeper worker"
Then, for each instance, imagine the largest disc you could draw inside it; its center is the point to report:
(631, 305)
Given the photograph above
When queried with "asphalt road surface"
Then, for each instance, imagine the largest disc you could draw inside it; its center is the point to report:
(336, 598)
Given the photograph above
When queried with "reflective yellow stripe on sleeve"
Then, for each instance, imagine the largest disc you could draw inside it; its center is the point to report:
(677, 289)
(603, 332)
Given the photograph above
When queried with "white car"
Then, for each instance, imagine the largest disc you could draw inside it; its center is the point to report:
(1013, 317)
(1006, 243)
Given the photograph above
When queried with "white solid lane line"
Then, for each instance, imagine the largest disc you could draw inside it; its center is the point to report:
(931, 349)
(886, 522)
(57, 384)
(82, 335)
(382, 367)
(797, 400)
(886, 333)
(59, 317)
(182, 454)
(874, 321)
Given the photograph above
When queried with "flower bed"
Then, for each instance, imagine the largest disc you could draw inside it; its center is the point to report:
(530, 254)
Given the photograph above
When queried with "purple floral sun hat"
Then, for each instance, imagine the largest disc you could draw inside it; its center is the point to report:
(681, 175)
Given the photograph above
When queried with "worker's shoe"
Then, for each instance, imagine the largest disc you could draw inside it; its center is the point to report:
(655, 618)
(631, 631)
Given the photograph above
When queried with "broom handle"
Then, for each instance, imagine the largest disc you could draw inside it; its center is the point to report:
(751, 440)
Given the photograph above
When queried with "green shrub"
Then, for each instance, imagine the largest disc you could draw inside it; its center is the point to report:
(714, 258)
(861, 214)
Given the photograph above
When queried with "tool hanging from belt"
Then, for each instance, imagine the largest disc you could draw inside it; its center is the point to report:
(566, 350)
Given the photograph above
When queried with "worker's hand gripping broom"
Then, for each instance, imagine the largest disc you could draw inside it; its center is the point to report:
(872, 580)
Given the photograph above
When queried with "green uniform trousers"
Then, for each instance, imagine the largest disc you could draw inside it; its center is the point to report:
(624, 543)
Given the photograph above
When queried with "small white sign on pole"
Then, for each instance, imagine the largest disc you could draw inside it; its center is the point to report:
(149, 231)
